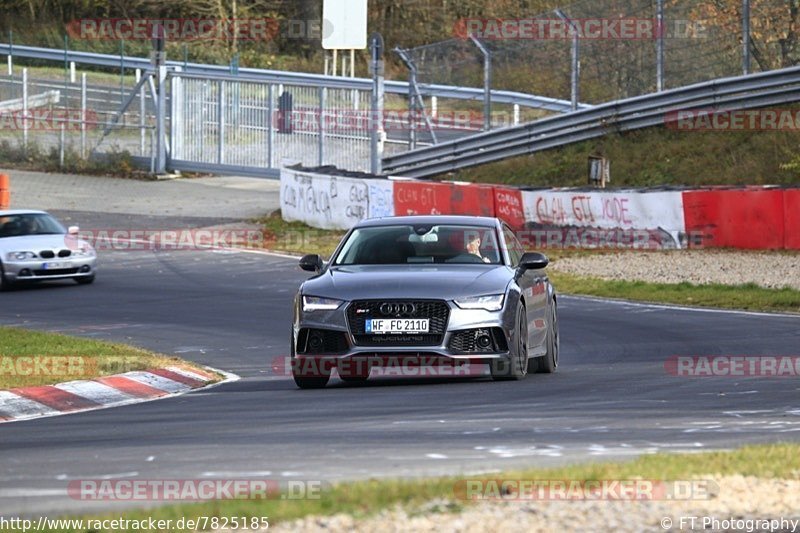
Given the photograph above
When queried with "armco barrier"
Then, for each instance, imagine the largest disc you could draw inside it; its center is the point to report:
(791, 217)
(740, 218)
(748, 218)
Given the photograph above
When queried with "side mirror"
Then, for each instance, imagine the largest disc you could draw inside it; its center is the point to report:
(311, 263)
(73, 230)
(533, 261)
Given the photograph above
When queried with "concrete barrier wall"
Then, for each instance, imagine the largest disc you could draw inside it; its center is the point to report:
(747, 218)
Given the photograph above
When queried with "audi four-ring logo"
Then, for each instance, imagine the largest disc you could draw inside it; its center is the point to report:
(398, 309)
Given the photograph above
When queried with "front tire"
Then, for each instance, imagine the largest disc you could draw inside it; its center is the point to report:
(516, 366)
(84, 280)
(4, 283)
(549, 362)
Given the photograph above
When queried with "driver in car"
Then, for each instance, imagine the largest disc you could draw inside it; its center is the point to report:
(474, 248)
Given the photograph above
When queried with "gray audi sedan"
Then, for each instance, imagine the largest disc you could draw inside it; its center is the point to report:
(452, 289)
(34, 246)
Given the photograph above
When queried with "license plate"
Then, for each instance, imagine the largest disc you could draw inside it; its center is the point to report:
(52, 266)
(379, 326)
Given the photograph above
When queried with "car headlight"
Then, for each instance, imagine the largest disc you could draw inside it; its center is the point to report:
(20, 256)
(493, 302)
(313, 303)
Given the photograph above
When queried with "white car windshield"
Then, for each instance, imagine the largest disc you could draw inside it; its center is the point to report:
(25, 224)
(420, 244)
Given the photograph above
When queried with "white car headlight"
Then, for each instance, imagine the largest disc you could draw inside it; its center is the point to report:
(313, 303)
(493, 302)
(20, 256)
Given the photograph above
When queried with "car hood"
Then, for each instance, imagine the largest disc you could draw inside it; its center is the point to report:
(409, 281)
(35, 243)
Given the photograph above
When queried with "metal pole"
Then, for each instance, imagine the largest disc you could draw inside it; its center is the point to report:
(576, 63)
(746, 36)
(270, 129)
(142, 113)
(10, 52)
(83, 115)
(376, 107)
(61, 143)
(25, 110)
(121, 70)
(161, 123)
(660, 46)
(221, 122)
(487, 83)
(576, 67)
(321, 151)
(412, 107)
(176, 122)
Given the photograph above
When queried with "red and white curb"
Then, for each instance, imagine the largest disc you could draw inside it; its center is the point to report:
(103, 392)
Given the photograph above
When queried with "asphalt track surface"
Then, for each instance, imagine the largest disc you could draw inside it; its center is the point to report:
(611, 398)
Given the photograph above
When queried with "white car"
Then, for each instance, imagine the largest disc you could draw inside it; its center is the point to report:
(34, 246)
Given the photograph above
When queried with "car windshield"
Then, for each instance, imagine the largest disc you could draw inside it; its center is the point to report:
(29, 224)
(420, 244)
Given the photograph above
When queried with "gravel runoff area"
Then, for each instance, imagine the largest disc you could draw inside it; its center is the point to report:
(739, 498)
(728, 267)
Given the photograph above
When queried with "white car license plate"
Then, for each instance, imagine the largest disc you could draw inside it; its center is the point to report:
(379, 326)
(52, 266)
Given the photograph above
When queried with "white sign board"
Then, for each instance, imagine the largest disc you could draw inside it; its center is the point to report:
(344, 24)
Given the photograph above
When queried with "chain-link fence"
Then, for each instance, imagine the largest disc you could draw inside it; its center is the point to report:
(624, 48)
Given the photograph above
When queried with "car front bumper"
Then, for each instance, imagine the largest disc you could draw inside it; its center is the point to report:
(460, 320)
(57, 268)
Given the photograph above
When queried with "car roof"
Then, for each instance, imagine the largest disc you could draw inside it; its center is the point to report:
(8, 212)
(456, 220)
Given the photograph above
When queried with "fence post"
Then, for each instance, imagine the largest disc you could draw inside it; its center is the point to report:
(84, 115)
(660, 46)
(10, 52)
(142, 113)
(270, 130)
(161, 122)
(25, 110)
(376, 106)
(576, 62)
(321, 153)
(746, 36)
(487, 83)
(412, 108)
(221, 122)
(176, 122)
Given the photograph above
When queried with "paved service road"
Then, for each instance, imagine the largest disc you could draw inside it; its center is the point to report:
(611, 397)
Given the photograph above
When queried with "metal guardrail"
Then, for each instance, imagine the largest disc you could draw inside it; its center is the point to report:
(275, 76)
(725, 94)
